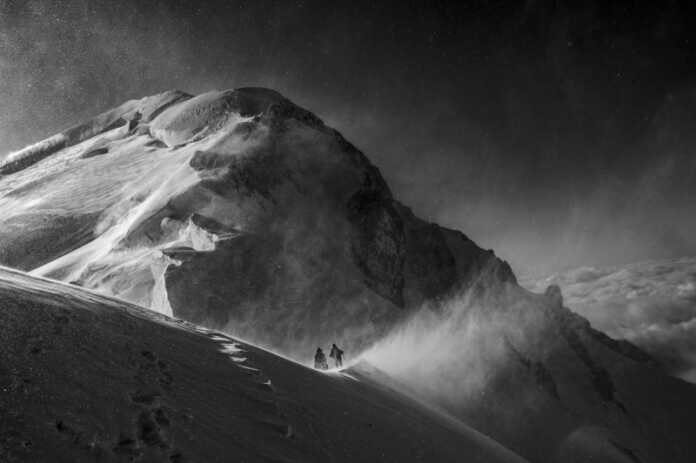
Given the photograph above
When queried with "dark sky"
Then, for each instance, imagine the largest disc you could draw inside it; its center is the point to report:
(558, 133)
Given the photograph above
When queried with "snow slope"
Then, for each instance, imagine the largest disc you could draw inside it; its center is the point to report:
(89, 378)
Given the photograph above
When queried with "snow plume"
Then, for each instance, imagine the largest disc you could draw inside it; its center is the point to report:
(434, 347)
(452, 352)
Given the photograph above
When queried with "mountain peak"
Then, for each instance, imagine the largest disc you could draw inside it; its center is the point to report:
(243, 212)
(313, 229)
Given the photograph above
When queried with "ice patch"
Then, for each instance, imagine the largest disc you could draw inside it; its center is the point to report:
(231, 349)
(160, 298)
(246, 367)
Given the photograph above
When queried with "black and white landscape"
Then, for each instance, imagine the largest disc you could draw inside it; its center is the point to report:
(171, 264)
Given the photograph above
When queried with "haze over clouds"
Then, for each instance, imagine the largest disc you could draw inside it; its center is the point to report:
(652, 304)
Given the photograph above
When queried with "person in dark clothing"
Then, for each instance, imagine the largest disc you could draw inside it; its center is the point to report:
(320, 360)
(337, 355)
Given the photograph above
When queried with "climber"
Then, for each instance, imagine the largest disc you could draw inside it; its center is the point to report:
(320, 360)
(337, 355)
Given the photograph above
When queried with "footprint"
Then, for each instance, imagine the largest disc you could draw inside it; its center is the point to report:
(126, 445)
(60, 322)
(165, 378)
(149, 431)
(153, 420)
(265, 386)
(71, 433)
(144, 397)
(161, 417)
(276, 424)
(261, 404)
(166, 381)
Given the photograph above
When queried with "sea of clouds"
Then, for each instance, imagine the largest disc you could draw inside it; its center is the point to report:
(652, 304)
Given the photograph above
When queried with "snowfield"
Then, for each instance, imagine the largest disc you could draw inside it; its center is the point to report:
(87, 378)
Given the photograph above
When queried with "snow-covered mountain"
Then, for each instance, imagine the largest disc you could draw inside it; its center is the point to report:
(242, 212)
(231, 209)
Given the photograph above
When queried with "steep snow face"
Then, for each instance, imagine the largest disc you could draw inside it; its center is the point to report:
(652, 304)
(53, 204)
(234, 209)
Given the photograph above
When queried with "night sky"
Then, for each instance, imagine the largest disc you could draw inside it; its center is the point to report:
(558, 135)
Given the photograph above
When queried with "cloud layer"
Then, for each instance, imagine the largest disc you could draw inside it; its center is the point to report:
(652, 304)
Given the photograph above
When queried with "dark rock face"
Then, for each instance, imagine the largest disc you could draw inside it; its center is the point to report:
(378, 243)
(553, 293)
(430, 269)
(243, 271)
(95, 152)
(538, 371)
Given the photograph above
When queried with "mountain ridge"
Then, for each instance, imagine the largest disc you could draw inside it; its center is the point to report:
(242, 212)
(241, 147)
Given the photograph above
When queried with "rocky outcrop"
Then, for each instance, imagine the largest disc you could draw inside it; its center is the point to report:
(377, 243)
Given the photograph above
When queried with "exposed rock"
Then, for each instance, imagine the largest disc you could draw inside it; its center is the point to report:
(554, 295)
(95, 152)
